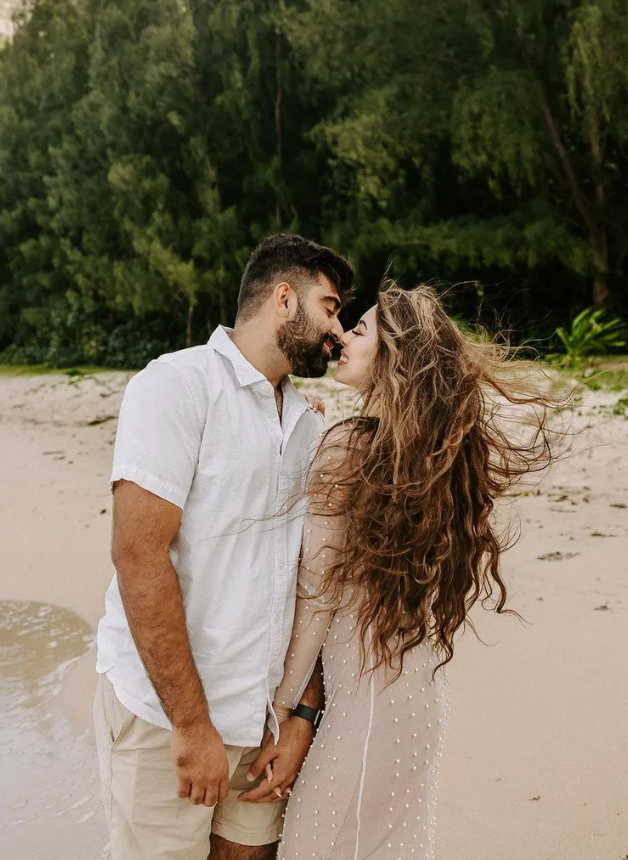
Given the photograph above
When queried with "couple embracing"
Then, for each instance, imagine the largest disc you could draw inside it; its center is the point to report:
(285, 590)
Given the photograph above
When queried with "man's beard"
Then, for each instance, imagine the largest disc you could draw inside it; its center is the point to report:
(303, 345)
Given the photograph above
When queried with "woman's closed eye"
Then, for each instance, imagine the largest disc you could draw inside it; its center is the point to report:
(356, 331)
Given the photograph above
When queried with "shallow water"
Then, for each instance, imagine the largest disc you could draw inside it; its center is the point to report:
(49, 787)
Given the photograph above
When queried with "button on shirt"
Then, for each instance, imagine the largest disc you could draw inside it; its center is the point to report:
(200, 428)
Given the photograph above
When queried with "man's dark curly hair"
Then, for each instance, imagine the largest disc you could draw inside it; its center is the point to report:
(293, 259)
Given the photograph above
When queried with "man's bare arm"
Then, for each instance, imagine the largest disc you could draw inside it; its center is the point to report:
(144, 527)
(314, 694)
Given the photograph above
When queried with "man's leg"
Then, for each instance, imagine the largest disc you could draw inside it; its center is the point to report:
(222, 849)
(147, 821)
(245, 831)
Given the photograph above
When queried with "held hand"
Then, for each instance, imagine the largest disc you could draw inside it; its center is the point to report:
(316, 404)
(201, 765)
(282, 713)
(286, 758)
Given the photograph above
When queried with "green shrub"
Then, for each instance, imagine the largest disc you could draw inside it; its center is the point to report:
(18, 355)
(134, 343)
(591, 333)
(72, 333)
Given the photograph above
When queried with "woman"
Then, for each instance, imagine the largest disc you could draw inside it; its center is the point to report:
(398, 545)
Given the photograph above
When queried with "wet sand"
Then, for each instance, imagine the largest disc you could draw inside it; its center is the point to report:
(54, 532)
(48, 786)
(535, 759)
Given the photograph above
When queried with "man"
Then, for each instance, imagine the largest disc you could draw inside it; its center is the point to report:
(212, 448)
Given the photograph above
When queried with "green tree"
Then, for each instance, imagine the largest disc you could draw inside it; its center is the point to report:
(543, 121)
(42, 72)
(477, 135)
(153, 235)
(147, 145)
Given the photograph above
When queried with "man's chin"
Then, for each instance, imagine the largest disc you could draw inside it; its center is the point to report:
(311, 371)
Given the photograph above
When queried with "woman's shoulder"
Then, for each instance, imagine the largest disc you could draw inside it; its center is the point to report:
(338, 434)
(348, 430)
(343, 439)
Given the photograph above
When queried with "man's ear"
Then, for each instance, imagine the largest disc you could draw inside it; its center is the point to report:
(285, 300)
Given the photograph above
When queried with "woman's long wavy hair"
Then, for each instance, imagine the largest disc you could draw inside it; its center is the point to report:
(449, 422)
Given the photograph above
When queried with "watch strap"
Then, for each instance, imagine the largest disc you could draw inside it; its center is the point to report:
(312, 715)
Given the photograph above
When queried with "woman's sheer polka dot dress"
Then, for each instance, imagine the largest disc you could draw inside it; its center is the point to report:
(368, 785)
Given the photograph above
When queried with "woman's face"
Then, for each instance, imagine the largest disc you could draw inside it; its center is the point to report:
(359, 348)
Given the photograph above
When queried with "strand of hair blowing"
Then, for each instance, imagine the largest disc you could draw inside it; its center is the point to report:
(458, 421)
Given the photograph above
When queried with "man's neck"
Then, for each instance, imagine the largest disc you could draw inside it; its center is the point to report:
(261, 352)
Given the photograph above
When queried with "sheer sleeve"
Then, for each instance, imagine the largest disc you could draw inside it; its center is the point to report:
(322, 537)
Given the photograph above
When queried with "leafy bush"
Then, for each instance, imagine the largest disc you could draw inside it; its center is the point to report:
(134, 343)
(73, 333)
(17, 355)
(592, 333)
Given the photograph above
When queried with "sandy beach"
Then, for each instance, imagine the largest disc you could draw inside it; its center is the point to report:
(536, 759)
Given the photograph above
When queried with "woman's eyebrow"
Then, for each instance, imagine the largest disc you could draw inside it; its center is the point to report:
(363, 323)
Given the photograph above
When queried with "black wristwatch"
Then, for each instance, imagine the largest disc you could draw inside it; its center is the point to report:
(312, 715)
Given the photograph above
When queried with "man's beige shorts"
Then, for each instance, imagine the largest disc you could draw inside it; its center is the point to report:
(147, 821)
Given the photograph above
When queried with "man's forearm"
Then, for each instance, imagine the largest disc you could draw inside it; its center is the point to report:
(314, 694)
(152, 601)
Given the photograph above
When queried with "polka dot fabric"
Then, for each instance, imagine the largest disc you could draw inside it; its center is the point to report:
(368, 785)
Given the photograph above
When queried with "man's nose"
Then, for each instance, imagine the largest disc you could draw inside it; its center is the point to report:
(337, 330)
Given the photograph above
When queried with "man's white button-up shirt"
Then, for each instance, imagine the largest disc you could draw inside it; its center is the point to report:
(200, 428)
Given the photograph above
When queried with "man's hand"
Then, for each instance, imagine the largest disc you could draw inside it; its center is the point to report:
(286, 758)
(200, 762)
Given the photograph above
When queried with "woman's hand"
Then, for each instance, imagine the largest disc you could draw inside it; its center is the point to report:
(316, 404)
(284, 758)
(282, 713)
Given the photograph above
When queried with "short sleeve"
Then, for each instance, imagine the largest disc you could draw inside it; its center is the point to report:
(159, 433)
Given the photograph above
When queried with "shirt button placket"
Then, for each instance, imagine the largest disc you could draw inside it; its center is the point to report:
(280, 564)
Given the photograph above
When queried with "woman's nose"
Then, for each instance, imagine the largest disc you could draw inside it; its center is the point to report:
(343, 340)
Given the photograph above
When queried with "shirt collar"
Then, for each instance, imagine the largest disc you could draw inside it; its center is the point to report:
(244, 370)
(294, 404)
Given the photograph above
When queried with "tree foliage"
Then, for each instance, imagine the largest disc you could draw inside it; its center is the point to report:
(147, 145)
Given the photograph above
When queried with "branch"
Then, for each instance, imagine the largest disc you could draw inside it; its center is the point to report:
(578, 196)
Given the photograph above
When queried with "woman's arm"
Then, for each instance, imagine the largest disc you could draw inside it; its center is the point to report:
(305, 646)
(323, 538)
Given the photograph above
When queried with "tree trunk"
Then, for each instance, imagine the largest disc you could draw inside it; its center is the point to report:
(188, 328)
(525, 295)
(588, 212)
(222, 307)
(600, 290)
(278, 135)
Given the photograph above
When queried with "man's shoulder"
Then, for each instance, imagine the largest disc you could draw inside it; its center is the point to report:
(190, 359)
(195, 366)
(311, 429)
(186, 372)
(315, 421)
